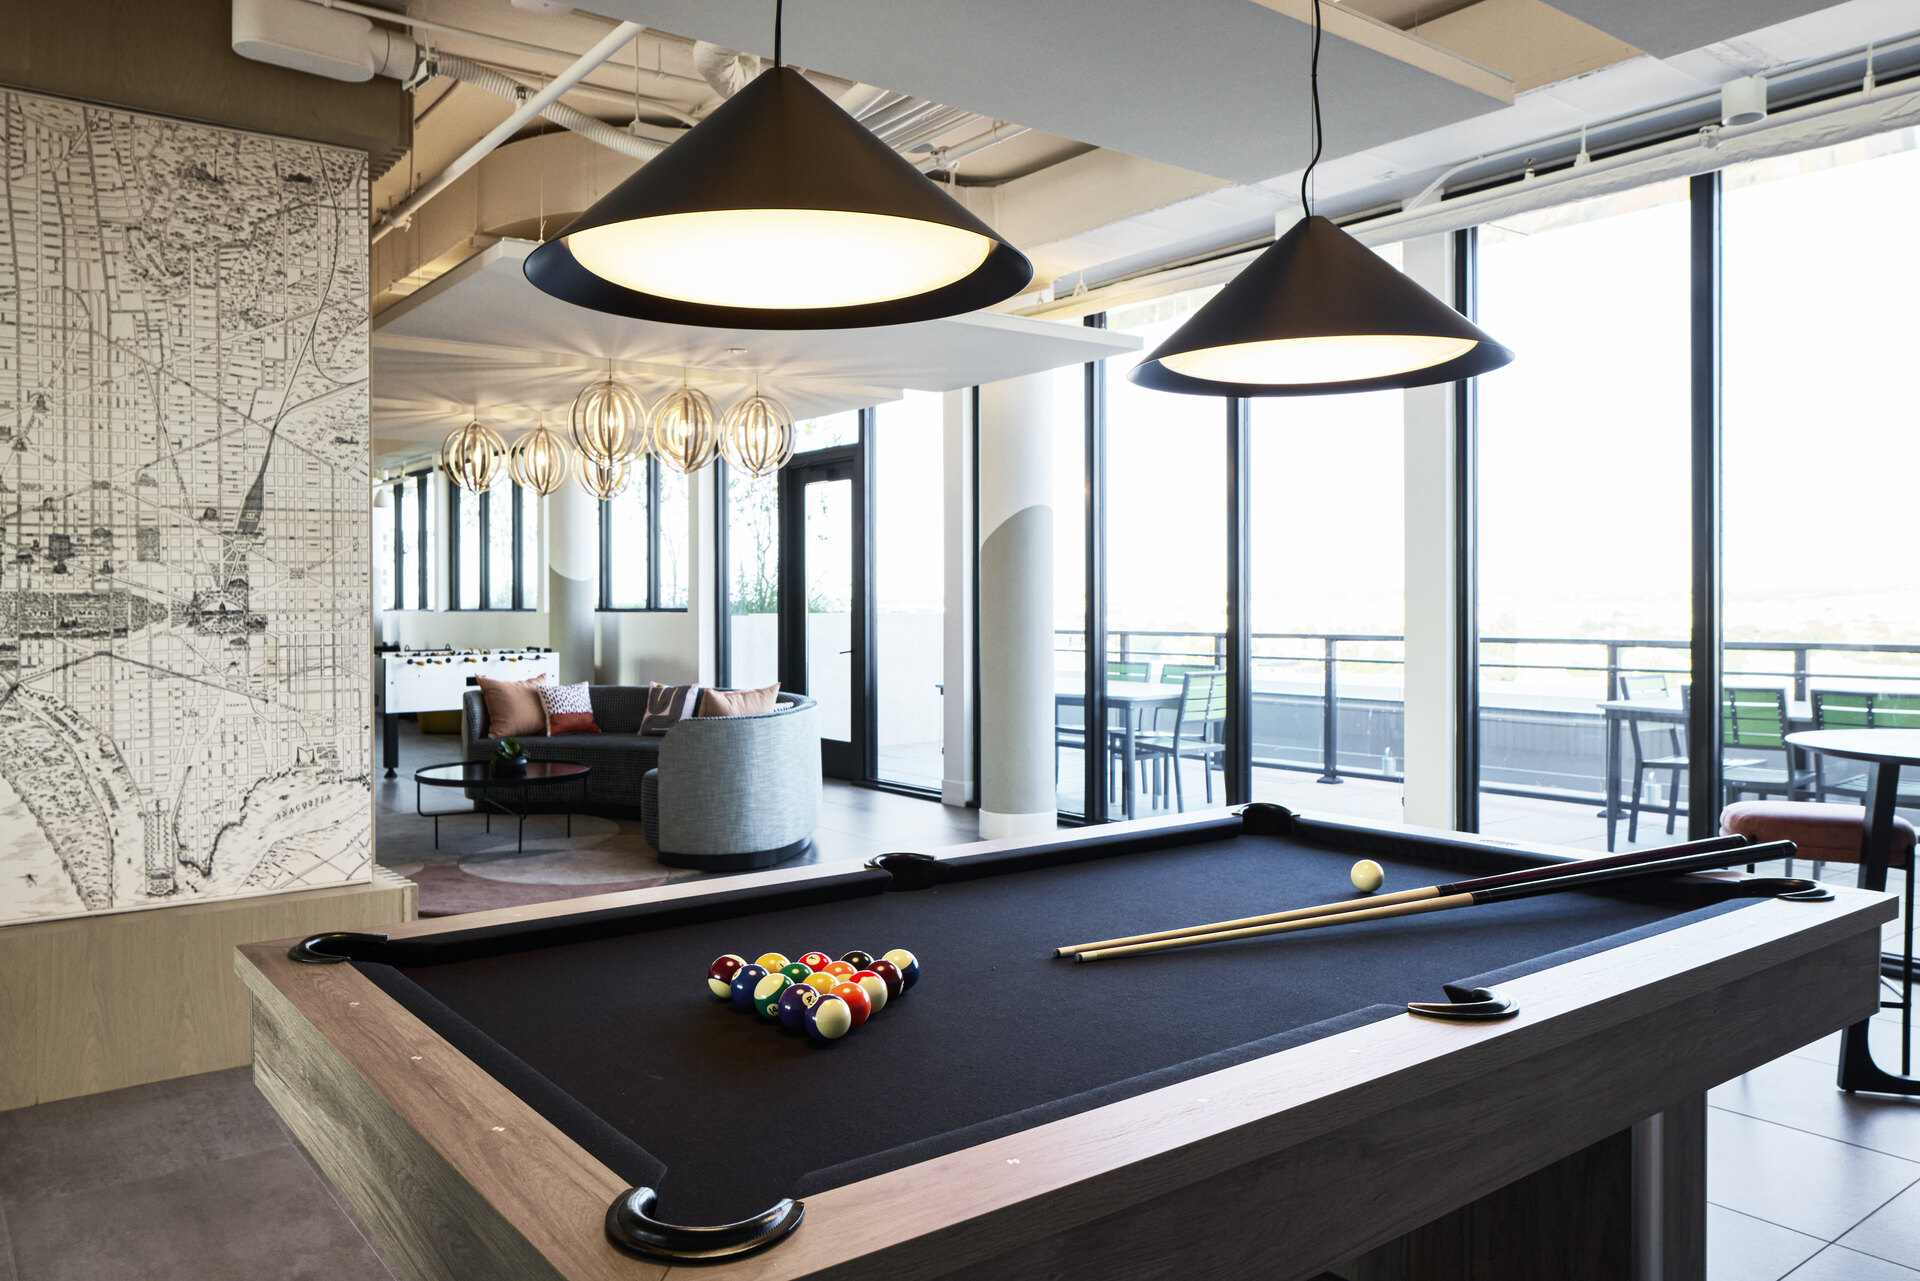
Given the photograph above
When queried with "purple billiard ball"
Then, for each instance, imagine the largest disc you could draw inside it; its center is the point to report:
(829, 1019)
(744, 982)
(794, 1004)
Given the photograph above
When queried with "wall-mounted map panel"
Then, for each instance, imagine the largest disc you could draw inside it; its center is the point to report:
(183, 512)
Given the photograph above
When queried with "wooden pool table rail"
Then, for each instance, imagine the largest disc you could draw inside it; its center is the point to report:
(1351, 1142)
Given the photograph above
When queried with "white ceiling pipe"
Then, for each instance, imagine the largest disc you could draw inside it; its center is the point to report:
(480, 76)
(609, 45)
(991, 138)
(728, 71)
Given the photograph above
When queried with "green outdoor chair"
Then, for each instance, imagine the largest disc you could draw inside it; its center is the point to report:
(1203, 706)
(1128, 671)
(1756, 720)
(1851, 709)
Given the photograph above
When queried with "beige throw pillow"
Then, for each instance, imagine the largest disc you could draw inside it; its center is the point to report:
(514, 710)
(738, 702)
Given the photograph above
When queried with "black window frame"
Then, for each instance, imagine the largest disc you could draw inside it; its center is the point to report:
(396, 602)
(653, 605)
(524, 596)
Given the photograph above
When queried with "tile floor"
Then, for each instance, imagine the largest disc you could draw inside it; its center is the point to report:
(196, 1179)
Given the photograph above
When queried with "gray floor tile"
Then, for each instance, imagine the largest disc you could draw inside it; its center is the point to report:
(1743, 1248)
(1892, 1232)
(7, 1272)
(56, 1149)
(253, 1217)
(1837, 1263)
(1806, 1182)
(1800, 1093)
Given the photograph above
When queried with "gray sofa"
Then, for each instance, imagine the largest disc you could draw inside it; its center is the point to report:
(720, 794)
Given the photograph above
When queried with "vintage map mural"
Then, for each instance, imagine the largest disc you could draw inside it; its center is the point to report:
(183, 512)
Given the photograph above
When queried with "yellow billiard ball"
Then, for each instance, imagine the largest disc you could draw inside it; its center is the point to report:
(1368, 876)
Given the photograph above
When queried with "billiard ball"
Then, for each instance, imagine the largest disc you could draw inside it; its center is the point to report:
(795, 970)
(1368, 876)
(816, 960)
(909, 966)
(770, 961)
(842, 969)
(856, 998)
(875, 988)
(744, 982)
(766, 995)
(829, 1019)
(821, 982)
(890, 975)
(858, 960)
(794, 1003)
(720, 976)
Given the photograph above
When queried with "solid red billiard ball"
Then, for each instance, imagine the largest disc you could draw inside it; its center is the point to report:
(841, 968)
(720, 976)
(856, 998)
(816, 961)
(890, 975)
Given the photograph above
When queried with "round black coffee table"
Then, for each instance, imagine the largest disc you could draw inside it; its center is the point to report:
(479, 776)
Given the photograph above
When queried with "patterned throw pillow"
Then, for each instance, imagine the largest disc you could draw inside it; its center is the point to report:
(740, 702)
(667, 706)
(570, 702)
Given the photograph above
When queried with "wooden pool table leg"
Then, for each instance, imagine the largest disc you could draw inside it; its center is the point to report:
(1633, 1205)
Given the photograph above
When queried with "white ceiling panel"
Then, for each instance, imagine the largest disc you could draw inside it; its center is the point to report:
(1216, 86)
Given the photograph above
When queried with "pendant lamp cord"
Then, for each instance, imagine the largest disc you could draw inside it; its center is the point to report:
(1313, 88)
(778, 17)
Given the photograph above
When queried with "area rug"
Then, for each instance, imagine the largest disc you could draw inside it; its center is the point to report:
(448, 890)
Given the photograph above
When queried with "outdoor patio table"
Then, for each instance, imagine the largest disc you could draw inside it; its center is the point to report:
(1133, 699)
(1667, 711)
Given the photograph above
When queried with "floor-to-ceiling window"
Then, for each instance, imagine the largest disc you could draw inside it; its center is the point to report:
(753, 580)
(1327, 605)
(643, 541)
(1070, 494)
(1821, 596)
(495, 553)
(1584, 514)
(909, 587)
(1166, 536)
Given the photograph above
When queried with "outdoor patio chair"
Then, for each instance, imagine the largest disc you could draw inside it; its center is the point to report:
(1855, 709)
(1656, 745)
(1756, 719)
(1203, 705)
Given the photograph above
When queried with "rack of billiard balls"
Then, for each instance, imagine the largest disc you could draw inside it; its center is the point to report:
(816, 994)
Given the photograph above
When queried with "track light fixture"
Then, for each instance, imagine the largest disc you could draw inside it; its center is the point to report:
(1318, 313)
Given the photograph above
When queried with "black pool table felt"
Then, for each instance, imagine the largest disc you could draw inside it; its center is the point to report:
(998, 1035)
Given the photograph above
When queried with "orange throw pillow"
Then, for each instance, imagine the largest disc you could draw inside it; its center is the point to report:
(513, 709)
(739, 702)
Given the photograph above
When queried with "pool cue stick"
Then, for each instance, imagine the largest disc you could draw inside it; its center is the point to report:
(1425, 892)
(1697, 862)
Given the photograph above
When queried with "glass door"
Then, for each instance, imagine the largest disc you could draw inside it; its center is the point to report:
(823, 599)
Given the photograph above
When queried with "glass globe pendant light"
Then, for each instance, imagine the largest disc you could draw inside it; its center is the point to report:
(473, 457)
(539, 460)
(779, 211)
(685, 436)
(1318, 313)
(603, 480)
(756, 436)
(608, 420)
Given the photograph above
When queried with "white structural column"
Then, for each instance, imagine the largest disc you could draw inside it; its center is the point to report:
(573, 579)
(1016, 608)
(1432, 626)
(960, 546)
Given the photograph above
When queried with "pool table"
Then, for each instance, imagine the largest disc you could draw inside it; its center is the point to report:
(551, 1092)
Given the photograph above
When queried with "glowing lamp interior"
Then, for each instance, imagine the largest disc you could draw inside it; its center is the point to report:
(1281, 362)
(785, 259)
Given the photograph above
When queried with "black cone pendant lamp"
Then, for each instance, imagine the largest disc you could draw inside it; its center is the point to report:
(779, 211)
(1318, 313)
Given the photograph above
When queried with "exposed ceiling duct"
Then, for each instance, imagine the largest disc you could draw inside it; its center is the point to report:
(480, 76)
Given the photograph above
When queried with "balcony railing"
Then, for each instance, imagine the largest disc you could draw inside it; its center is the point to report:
(1542, 735)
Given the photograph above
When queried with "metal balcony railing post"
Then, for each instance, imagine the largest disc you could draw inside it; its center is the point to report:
(1613, 671)
(1800, 674)
(1329, 715)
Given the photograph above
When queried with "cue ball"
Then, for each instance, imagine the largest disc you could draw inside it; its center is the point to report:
(720, 975)
(829, 1019)
(1368, 876)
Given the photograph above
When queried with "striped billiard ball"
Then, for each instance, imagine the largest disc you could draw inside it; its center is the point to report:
(720, 975)
(890, 975)
(908, 963)
(766, 995)
(829, 1019)
(874, 986)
